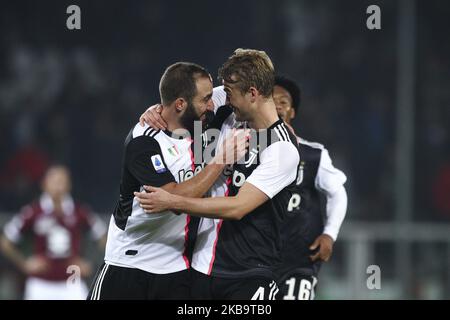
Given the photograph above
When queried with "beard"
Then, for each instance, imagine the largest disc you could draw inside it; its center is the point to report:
(188, 118)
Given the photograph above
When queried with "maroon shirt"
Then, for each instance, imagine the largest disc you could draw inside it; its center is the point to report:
(56, 235)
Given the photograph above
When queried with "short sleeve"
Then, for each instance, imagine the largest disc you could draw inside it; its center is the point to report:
(277, 169)
(145, 162)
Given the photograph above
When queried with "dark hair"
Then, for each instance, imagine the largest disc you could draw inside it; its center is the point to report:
(252, 68)
(178, 81)
(290, 86)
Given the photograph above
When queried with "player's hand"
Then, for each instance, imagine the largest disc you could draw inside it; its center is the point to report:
(152, 116)
(325, 244)
(233, 147)
(153, 199)
(35, 265)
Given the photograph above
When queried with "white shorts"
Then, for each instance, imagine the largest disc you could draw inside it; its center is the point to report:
(39, 289)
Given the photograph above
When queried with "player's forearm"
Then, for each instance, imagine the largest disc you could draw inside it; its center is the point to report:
(218, 207)
(197, 186)
(336, 210)
(10, 251)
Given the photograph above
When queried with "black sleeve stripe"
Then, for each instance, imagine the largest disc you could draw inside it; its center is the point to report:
(150, 132)
(282, 133)
(147, 131)
(154, 133)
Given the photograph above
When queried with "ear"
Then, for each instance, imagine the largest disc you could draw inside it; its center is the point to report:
(253, 93)
(180, 104)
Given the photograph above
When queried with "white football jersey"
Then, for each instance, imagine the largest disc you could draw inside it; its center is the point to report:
(154, 243)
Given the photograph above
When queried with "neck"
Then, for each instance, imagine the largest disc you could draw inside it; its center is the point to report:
(169, 116)
(265, 116)
(57, 202)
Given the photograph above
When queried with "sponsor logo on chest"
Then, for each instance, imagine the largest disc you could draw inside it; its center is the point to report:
(184, 175)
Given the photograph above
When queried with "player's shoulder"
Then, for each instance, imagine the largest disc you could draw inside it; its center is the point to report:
(310, 144)
(282, 142)
(282, 138)
(141, 139)
(281, 133)
(143, 131)
(312, 151)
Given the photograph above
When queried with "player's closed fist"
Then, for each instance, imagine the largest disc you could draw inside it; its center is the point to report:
(324, 243)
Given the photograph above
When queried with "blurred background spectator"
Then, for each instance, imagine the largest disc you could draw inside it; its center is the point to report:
(55, 268)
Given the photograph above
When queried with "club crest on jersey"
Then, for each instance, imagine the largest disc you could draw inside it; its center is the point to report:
(158, 164)
(300, 172)
(251, 158)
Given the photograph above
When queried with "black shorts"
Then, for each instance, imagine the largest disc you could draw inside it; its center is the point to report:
(297, 285)
(205, 287)
(119, 283)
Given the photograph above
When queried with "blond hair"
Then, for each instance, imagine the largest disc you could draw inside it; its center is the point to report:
(251, 68)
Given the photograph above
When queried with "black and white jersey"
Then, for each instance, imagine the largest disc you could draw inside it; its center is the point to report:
(251, 246)
(306, 215)
(208, 229)
(155, 243)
